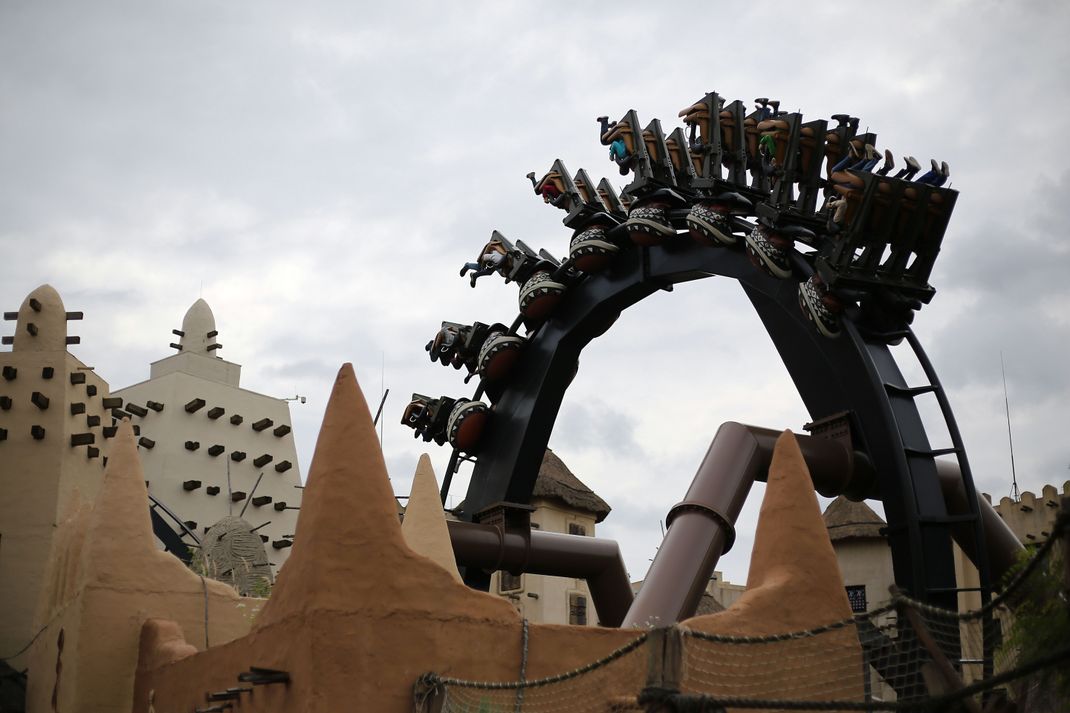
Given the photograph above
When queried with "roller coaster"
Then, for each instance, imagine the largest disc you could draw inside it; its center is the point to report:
(834, 252)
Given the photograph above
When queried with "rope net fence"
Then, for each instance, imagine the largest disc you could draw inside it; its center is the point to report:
(1011, 655)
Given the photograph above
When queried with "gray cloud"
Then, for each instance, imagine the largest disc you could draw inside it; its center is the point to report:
(320, 171)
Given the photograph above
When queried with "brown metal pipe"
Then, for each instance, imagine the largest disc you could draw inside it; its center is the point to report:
(596, 560)
(701, 528)
(1001, 545)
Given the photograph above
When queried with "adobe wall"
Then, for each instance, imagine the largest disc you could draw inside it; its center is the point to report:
(106, 577)
(1031, 517)
(40, 478)
(356, 617)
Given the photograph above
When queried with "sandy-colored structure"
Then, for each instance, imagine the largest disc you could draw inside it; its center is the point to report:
(356, 616)
(1031, 516)
(211, 449)
(106, 577)
(862, 550)
(424, 526)
(54, 428)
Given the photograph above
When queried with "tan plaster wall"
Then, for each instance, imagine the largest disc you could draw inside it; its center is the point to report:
(39, 480)
(1032, 516)
(867, 562)
(356, 616)
(724, 592)
(106, 577)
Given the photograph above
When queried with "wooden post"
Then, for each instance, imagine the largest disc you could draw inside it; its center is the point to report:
(665, 650)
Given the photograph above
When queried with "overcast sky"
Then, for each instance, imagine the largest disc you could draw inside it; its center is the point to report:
(319, 171)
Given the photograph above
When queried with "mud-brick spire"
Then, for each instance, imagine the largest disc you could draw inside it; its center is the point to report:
(42, 322)
(424, 528)
(119, 541)
(349, 554)
(198, 330)
(792, 559)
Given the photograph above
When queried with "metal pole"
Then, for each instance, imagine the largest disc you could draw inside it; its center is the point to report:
(596, 560)
(701, 527)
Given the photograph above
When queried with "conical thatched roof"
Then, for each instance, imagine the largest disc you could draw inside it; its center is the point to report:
(556, 481)
(846, 519)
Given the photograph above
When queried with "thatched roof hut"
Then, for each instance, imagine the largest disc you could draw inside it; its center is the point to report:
(846, 520)
(556, 481)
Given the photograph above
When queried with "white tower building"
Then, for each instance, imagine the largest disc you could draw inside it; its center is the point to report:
(210, 448)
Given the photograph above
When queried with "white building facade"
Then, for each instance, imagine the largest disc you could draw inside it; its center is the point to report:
(211, 449)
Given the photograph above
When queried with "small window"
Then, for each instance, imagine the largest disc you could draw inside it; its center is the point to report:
(577, 609)
(856, 595)
(575, 528)
(510, 582)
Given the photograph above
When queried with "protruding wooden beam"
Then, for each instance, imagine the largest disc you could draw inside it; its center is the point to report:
(111, 402)
(154, 405)
(118, 414)
(215, 412)
(175, 346)
(92, 421)
(83, 439)
(35, 304)
(77, 407)
(213, 347)
(73, 340)
(282, 544)
(137, 410)
(261, 461)
(212, 490)
(192, 445)
(178, 332)
(236, 419)
(146, 442)
(215, 450)
(262, 424)
(237, 456)
(237, 496)
(10, 372)
(5, 403)
(283, 465)
(48, 372)
(280, 506)
(109, 431)
(213, 334)
(91, 390)
(11, 316)
(77, 377)
(261, 500)
(92, 452)
(281, 431)
(39, 400)
(188, 485)
(194, 405)
(73, 316)
(31, 329)
(38, 432)
(3, 434)
(7, 339)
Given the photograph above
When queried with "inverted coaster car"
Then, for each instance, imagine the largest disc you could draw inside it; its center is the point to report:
(539, 295)
(498, 355)
(465, 425)
(591, 249)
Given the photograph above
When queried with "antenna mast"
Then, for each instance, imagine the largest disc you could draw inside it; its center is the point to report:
(1015, 493)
